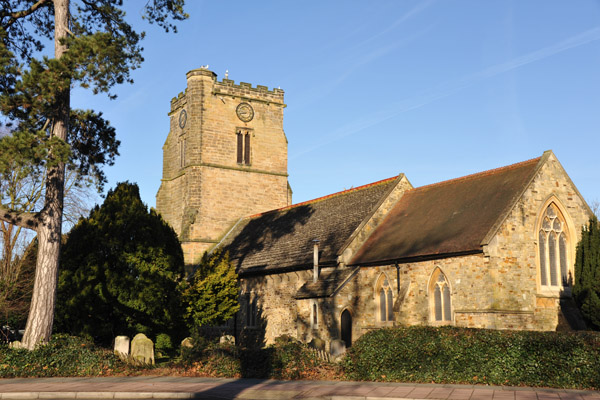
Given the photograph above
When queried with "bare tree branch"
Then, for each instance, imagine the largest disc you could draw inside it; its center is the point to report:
(14, 16)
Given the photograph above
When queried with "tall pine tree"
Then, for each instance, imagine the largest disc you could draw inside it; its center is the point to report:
(587, 274)
(94, 47)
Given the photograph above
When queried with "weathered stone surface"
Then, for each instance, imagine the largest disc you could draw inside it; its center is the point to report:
(317, 343)
(142, 350)
(496, 289)
(15, 345)
(122, 347)
(337, 347)
(188, 342)
(229, 339)
(204, 190)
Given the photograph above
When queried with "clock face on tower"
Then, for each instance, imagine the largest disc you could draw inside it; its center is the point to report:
(182, 118)
(245, 112)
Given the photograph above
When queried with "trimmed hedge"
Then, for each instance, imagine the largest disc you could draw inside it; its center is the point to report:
(460, 355)
(63, 356)
(287, 358)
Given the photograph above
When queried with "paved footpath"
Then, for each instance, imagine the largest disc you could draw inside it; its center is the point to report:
(209, 388)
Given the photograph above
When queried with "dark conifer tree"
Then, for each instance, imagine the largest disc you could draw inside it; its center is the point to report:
(587, 274)
(121, 272)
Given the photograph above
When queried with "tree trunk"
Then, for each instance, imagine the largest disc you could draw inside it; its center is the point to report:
(41, 312)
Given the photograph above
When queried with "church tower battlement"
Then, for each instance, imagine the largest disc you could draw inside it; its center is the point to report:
(225, 157)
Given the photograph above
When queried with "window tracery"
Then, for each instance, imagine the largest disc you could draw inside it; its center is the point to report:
(553, 248)
(385, 299)
(441, 303)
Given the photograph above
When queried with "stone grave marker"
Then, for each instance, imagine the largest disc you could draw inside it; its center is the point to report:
(337, 347)
(142, 350)
(122, 347)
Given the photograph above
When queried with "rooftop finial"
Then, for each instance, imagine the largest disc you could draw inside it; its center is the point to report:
(226, 74)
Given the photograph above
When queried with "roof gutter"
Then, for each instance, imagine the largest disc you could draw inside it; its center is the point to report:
(428, 257)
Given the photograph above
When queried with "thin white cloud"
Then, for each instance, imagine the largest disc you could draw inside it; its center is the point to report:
(356, 63)
(452, 87)
(416, 10)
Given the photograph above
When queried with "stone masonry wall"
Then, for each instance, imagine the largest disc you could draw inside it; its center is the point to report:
(204, 190)
(497, 289)
(514, 253)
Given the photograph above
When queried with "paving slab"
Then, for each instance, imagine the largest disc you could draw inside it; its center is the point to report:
(135, 388)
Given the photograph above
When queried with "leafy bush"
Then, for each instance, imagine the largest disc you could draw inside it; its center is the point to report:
(195, 353)
(212, 296)
(63, 356)
(287, 358)
(163, 345)
(459, 355)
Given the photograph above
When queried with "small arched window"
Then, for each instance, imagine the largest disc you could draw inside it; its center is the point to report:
(251, 310)
(314, 314)
(553, 247)
(385, 299)
(441, 299)
(243, 146)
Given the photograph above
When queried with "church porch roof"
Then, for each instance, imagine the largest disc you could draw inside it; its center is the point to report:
(282, 239)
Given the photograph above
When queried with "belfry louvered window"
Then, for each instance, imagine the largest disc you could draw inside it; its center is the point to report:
(552, 244)
(243, 146)
(441, 302)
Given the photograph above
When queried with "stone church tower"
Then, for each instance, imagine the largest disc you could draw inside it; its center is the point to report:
(225, 158)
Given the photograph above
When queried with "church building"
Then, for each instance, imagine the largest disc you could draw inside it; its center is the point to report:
(492, 250)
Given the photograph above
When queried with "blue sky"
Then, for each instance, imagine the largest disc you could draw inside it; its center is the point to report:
(435, 89)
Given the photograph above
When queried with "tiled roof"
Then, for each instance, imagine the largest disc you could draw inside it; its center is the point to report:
(283, 238)
(327, 284)
(447, 217)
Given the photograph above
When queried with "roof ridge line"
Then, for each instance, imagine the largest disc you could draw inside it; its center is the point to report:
(477, 174)
(343, 192)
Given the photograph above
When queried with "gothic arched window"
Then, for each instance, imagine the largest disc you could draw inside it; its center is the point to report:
(314, 315)
(553, 247)
(441, 302)
(385, 299)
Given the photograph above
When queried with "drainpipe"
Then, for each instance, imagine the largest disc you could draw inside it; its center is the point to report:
(316, 260)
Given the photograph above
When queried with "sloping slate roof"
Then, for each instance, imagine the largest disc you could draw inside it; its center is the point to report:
(283, 238)
(447, 217)
(327, 284)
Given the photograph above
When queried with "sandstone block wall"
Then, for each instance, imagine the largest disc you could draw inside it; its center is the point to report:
(204, 189)
(514, 253)
(496, 289)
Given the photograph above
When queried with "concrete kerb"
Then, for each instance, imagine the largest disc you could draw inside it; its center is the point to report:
(248, 395)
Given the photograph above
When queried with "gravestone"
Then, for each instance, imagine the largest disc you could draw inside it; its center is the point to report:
(122, 347)
(317, 343)
(142, 350)
(227, 339)
(188, 342)
(337, 347)
(15, 345)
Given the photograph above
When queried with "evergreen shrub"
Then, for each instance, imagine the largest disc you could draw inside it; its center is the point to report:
(461, 355)
(121, 272)
(586, 290)
(63, 356)
(287, 358)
